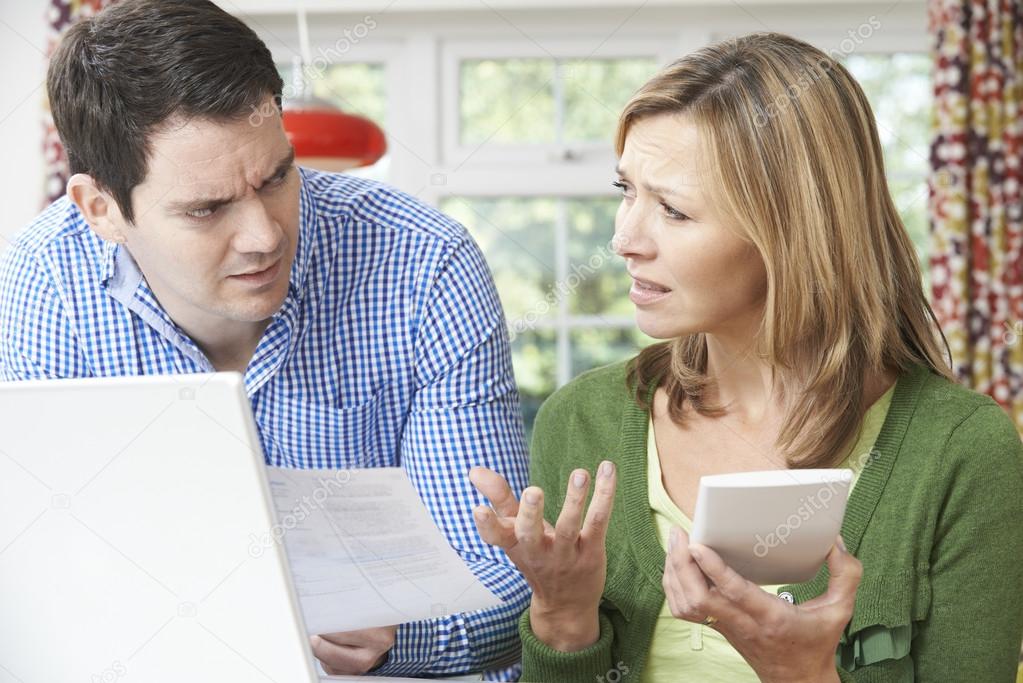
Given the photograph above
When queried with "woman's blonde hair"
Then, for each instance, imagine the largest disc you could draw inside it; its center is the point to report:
(797, 167)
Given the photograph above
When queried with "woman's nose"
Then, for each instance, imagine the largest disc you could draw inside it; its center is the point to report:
(630, 238)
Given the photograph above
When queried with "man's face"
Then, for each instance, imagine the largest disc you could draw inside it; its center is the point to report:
(216, 220)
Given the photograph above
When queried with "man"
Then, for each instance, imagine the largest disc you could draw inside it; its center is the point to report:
(366, 323)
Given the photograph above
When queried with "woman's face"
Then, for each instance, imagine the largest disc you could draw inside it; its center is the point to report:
(692, 272)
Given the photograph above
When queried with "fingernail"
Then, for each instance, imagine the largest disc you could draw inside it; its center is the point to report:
(606, 468)
(530, 497)
(672, 539)
(695, 553)
(840, 542)
(579, 480)
(480, 513)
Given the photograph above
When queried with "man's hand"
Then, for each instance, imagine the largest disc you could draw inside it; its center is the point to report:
(353, 653)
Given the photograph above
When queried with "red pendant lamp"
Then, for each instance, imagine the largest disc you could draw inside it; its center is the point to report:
(324, 137)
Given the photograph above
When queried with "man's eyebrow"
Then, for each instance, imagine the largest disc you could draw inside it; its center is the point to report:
(282, 166)
(653, 189)
(213, 201)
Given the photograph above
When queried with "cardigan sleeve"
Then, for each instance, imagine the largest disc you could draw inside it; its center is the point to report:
(547, 469)
(975, 624)
(541, 663)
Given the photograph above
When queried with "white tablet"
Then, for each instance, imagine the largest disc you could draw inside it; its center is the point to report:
(773, 527)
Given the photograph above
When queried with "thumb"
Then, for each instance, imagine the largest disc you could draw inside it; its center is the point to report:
(844, 574)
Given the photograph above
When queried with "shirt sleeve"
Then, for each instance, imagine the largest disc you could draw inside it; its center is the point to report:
(976, 622)
(465, 412)
(37, 339)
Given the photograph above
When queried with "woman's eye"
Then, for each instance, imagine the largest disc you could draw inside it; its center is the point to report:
(674, 214)
(621, 186)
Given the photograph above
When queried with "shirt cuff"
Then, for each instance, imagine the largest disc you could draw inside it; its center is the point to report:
(412, 652)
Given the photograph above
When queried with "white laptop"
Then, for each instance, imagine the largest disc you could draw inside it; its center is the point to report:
(127, 512)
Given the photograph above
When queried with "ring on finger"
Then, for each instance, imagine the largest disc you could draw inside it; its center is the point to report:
(709, 621)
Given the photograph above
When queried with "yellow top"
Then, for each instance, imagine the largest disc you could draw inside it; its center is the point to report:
(683, 651)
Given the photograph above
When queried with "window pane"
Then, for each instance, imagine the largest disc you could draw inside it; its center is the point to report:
(356, 87)
(899, 89)
(506, 101)
(900, 93)
(596, 91)
(599, 282)
(516, 236)
(911, 200)
(592, 348)
(534, 359)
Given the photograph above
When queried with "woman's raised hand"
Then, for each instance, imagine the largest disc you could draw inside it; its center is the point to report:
(565, 564)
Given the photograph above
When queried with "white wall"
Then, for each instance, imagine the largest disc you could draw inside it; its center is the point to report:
(22, 54)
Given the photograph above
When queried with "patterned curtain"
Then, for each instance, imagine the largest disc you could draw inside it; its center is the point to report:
(976, 204)
(60, 15)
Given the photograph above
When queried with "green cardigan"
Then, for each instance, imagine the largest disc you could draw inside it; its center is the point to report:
(936, 518)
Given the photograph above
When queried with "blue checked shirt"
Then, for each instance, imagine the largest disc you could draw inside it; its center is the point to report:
(390, 350)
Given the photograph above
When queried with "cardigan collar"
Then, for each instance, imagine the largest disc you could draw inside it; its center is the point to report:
(650, 556)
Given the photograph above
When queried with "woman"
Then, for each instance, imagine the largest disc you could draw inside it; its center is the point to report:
(765, 248)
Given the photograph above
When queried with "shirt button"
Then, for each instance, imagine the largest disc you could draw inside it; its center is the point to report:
(787, 597)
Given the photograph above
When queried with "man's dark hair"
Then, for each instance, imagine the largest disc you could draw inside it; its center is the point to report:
(115, 78)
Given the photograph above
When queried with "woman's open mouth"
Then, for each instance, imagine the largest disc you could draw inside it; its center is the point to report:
(644, 292)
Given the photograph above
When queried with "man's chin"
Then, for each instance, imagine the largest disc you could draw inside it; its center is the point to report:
(255, 310)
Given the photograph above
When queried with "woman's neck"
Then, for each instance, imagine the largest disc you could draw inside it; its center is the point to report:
(746, 385)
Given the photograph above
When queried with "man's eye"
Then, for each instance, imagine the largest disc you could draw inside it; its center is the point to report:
(199, 214)
(279, 178)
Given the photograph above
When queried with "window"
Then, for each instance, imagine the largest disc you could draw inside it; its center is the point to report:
(899, 89)
(564, 290)
(506, 123)
(524, 101)
(565, 293)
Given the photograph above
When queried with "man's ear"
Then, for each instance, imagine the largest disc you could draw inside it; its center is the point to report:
(100, 210)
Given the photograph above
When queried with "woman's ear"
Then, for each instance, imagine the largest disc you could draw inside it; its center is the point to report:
(98, 207)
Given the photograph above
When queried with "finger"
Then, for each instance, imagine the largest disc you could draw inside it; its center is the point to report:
(496, 489)
(743, 595)
(529, 528)
(844, 575)
(497, 531)
(673, 592)
(599, 514)
(694, 600)
(566, 531)
(366, 637)
(337, 660)
(691, 578)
